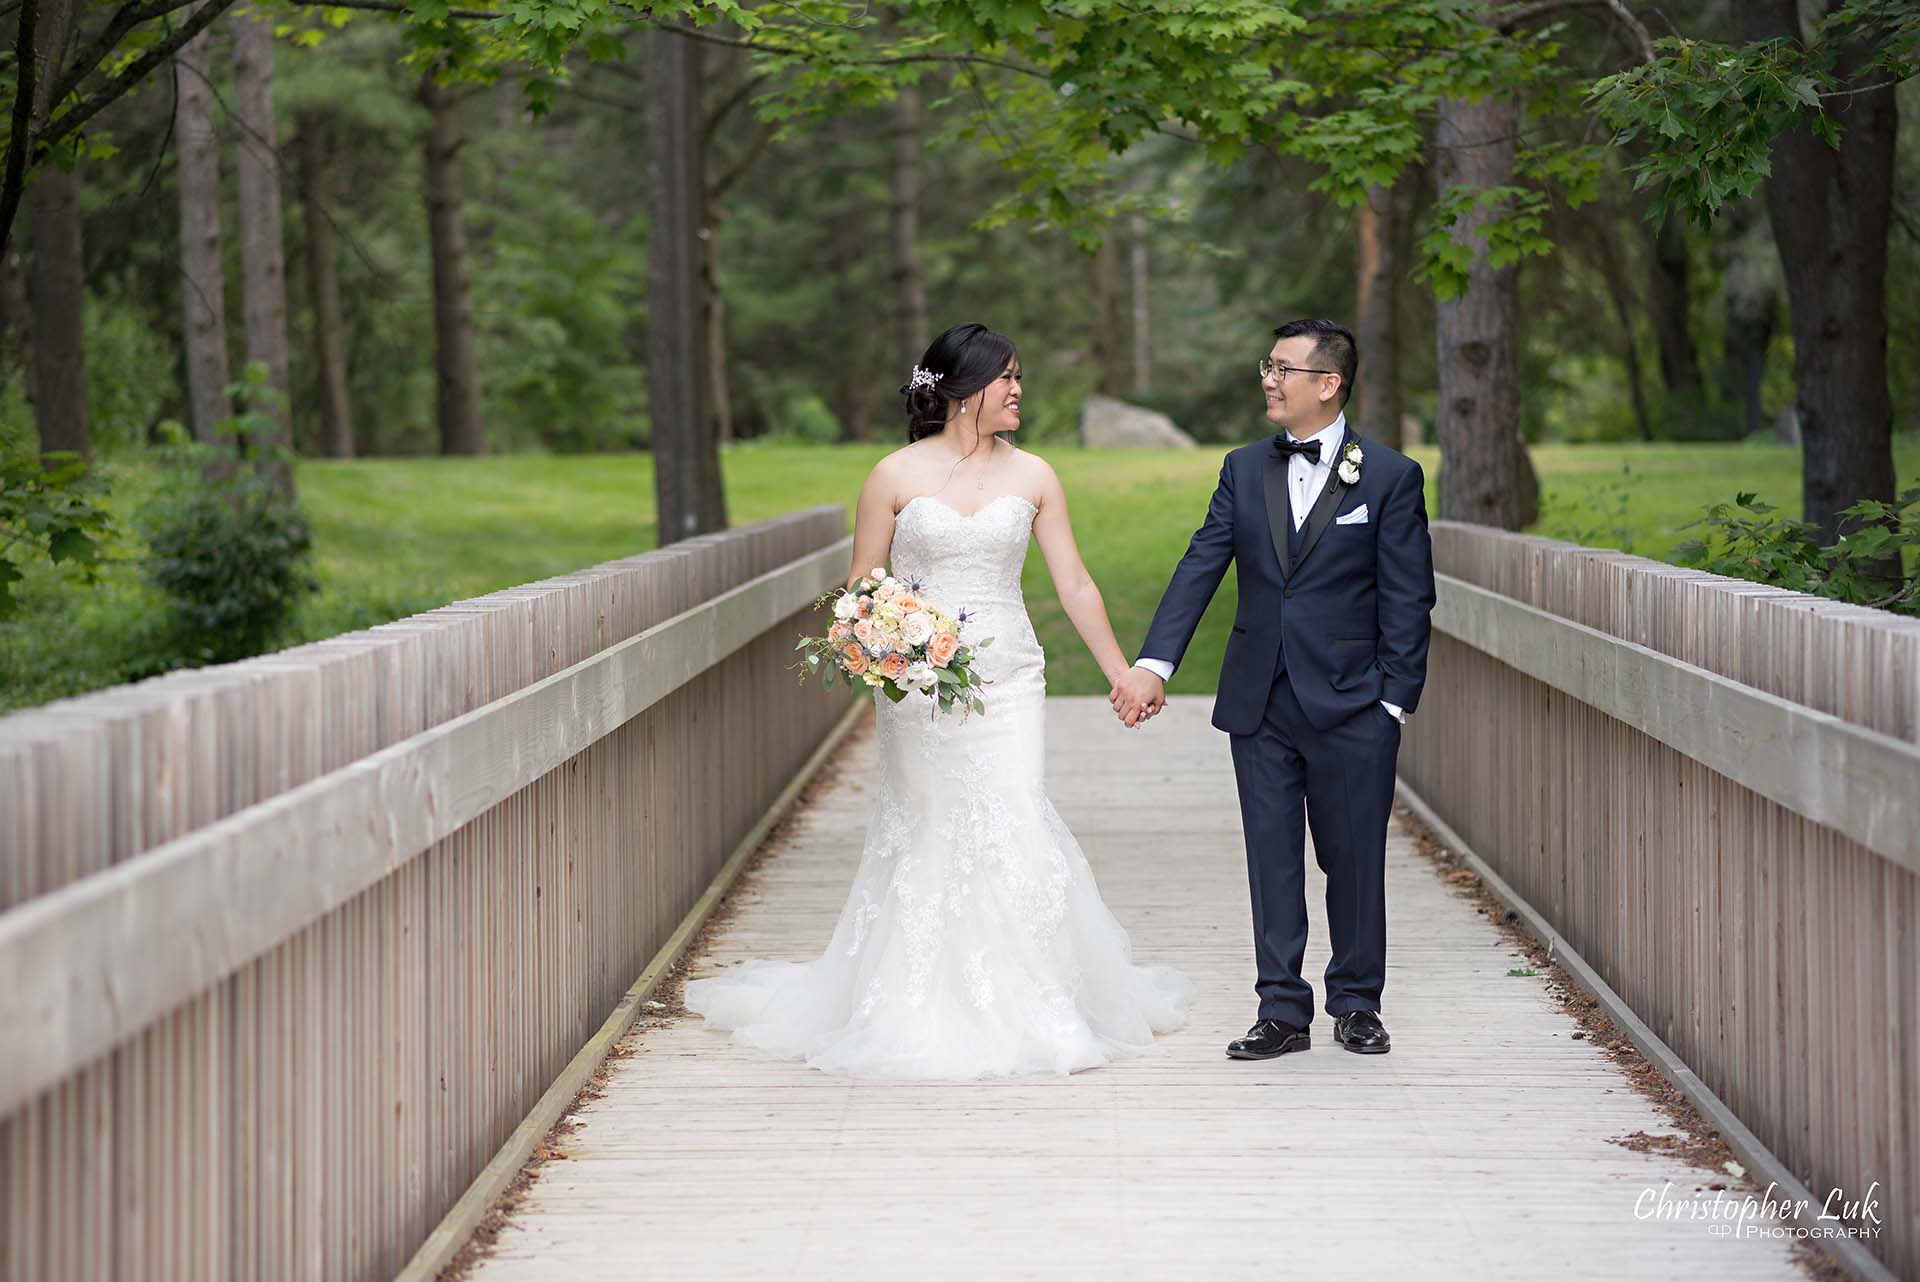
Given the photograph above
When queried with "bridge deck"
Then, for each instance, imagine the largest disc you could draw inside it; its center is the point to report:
(1478, 1148)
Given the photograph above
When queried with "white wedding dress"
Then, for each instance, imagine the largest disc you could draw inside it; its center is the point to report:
(974, 942)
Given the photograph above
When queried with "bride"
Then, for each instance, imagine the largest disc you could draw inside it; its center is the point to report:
(974, 942)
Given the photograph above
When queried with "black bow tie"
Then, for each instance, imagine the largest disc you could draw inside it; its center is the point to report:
(1284, 445)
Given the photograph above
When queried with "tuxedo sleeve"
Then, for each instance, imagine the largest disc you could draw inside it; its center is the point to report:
(1404, 589)
(1196, 577)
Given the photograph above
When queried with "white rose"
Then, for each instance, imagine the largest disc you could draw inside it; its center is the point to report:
(879, 572)
(1349, 473)
(919, 675)
(845, 606)
(916, 628)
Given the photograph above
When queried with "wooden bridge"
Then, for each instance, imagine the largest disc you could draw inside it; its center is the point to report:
(362, 960)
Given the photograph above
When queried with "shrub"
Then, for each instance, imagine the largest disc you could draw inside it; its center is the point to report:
(49, 503)
(229, 553)
(1748, 541)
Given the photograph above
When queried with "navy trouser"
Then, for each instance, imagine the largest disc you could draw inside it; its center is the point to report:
(1342, 778)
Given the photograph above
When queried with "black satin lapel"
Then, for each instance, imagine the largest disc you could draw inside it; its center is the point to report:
(1278, 510)
(1323, 510)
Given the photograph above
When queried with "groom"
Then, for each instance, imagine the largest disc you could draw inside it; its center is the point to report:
(1327, 657)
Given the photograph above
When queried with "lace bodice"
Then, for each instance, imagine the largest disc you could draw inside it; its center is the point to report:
(973, 563)
(970, 561)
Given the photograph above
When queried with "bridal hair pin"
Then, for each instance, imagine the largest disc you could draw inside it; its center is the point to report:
(923, 378)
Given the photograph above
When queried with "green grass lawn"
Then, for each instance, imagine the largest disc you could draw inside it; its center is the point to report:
(394, 536)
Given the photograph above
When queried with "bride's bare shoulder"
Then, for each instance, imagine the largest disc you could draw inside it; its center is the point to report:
(1035, 477)
(891, 475)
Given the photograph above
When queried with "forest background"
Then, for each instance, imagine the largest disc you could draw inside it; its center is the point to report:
(315, 316)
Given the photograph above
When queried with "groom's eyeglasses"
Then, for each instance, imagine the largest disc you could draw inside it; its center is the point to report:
(1269, 370)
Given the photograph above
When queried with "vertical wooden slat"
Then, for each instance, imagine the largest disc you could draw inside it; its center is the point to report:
(1777, 957)
(313, 1115)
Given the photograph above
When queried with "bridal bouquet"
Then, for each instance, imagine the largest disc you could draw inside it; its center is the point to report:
(887, 636)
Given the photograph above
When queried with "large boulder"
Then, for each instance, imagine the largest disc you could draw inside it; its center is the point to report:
(1106, 423)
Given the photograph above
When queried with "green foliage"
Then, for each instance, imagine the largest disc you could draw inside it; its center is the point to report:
(50, 505)
(788, 408)
(1512, 234)
(1711, 110)
(1748, 539)
(131, 371)
(230, 559)
(1053, 89)
(132, 380)
(229, 553)
(563, 296)
(1602, 516)
(17, 431)
(1695, 416)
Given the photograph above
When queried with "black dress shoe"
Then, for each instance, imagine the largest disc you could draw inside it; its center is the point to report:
(1268, 1038)
(1361, 1032)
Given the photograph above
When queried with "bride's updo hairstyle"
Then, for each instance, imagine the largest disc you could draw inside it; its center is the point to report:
(955, 365)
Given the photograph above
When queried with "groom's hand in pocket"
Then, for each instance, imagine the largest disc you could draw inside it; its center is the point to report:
(1138, 695)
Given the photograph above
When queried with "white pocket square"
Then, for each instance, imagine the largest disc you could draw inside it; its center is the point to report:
(1356, 517)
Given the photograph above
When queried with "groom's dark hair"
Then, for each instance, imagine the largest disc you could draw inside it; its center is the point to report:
(1333, 348)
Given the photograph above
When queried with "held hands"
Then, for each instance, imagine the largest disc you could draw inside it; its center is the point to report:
(1137, 695)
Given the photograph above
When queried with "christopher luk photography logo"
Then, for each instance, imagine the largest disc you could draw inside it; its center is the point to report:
(1731, 1214)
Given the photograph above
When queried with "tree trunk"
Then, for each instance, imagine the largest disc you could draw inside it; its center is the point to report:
(689, 495)
(713, 308)
(909, 287)
(462, 427)
(1830, 212)
(1751, 296)
(1485, 474)
(16, 316)
(323, 283)
(1142, 355)
(263, 260)
(58, 283)
(1376, 410)
(57, 280)
(1109, 361)
(1679, 363)
(203, 280)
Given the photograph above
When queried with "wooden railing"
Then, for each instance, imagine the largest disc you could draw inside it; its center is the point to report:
(290, 946)
(1710, 790)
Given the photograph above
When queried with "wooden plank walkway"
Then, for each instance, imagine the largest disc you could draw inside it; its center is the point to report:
(1478, 1148)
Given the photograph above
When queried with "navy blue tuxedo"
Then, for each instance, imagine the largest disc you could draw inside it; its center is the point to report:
(1348, 616)
(1332, 619)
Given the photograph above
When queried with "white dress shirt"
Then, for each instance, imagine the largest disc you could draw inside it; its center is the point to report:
(1305, 480)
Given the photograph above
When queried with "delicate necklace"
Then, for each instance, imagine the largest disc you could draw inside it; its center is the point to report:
(980, 483)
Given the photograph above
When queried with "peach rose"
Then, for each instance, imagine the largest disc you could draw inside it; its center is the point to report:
(941, 649)
(863, 607)
(838, 633)
(863, 629)
(893, 665)
(909, 603)
(917, 628)
(853, 658)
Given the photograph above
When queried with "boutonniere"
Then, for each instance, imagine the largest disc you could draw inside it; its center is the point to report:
(1350, 460)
